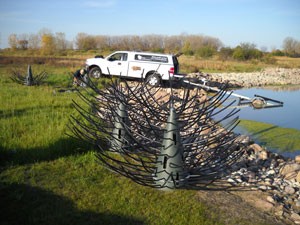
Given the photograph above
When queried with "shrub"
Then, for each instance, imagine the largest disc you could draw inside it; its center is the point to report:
(269, 59)
(246, 51)
(225, 53)
(205, 52)
(239, 54)
(277, 52)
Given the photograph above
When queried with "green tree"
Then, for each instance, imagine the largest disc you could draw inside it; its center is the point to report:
(246, 51)
(205, 52)
(239, 54)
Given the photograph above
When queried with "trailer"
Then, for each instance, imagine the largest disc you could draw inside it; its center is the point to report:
(256, 102)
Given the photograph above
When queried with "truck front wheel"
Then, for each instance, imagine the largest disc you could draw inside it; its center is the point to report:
(153, 79)
(95, 72)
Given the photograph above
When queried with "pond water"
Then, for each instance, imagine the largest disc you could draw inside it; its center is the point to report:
(287, 116)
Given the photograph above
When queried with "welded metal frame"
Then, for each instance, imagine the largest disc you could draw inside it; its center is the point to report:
(28, 79)
(158, 138)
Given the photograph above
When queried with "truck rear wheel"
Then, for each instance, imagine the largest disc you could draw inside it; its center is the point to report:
(153, 79)
(95, 72)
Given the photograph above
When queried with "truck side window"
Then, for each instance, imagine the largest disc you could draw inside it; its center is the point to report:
(118, 57)
(115, 57)
(125, 56)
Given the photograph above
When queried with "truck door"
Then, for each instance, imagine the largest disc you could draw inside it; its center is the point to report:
(118, 64)
(136, 69)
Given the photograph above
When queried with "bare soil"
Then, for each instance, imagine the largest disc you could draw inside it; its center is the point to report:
(240, 207)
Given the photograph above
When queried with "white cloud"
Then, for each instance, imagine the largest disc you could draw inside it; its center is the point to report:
(100, 3)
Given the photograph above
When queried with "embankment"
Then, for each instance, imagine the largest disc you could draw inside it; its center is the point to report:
(268, 76)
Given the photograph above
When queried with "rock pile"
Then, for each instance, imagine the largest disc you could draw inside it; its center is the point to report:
(268, 76)
(277, 177)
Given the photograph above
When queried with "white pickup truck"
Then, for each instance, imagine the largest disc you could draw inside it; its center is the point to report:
(152, 67)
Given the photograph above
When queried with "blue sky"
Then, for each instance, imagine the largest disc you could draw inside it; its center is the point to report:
(265, 23)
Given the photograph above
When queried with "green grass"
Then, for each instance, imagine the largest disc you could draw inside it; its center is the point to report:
(47, 177)
(274, 137)
(76, 190)
(33, 121)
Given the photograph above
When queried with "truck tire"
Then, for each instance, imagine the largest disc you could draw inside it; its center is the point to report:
(95, 72)
(153, 79)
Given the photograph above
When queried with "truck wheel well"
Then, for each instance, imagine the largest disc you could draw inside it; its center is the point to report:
(152, 72)
(93, 66)
(95, 71)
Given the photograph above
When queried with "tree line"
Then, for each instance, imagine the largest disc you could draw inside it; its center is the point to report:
(48, 43)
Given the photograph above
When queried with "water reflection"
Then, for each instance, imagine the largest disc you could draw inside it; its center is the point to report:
(283, 88)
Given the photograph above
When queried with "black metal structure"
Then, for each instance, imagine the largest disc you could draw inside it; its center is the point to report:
(29, 79)
(162, 138)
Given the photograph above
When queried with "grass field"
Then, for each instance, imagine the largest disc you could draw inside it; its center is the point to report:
(194, 64)
(46, 177)
(188, 64)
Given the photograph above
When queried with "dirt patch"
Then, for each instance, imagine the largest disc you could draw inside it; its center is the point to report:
(239, 207)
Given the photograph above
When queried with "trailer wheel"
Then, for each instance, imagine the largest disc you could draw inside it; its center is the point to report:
(95, 72)
(153, 79)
